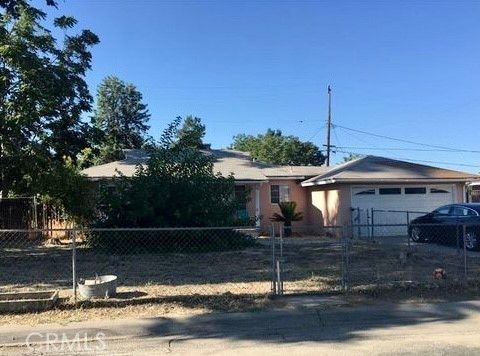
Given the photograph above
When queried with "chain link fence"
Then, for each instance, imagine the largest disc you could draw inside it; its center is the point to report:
(189, 262)
(431, 259)
(29, 262)
(148, 262)
(307, 259)
(399, 263)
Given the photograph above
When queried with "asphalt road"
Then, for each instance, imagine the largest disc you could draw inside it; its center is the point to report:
(306, 326)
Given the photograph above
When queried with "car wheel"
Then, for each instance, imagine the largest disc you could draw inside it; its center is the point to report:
(416, 234)
(471, 241)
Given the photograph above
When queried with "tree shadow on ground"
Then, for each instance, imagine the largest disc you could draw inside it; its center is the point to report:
(295, 325)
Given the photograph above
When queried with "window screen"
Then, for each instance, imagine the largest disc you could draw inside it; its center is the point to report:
(279, 193)
(275, 194)
(284, 193)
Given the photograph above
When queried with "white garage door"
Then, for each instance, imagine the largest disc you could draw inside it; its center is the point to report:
(385, 200)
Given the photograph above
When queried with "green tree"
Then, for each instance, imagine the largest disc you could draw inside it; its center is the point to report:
(177, 187)
(120, 119)
(192, 132)
(43, 94)
(275, 148)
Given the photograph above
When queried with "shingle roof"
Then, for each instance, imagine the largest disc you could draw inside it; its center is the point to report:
(240, 164)
(378, 169)
(244, 168)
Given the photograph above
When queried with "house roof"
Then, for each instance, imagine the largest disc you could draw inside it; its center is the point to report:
(226, 162)
(369, 169)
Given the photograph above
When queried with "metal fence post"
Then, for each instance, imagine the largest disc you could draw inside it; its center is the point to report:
(74, 265)
(274, 277)
(458, 238)
(279, 277)
(280, 281)
(465, 253)
(342, 231)
(373, 226)
(345, 261)
(369, 232)
(359, 221)
(35, 217)
(281, 240)
(408, 235)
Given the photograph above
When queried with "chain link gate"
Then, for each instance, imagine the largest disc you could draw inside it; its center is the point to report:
(335, 260)
(310, 262)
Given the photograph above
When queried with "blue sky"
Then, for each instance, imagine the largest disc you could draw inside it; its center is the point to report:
(407, 69)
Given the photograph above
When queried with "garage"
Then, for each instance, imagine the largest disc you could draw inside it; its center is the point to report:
(391, 203)
(347, 193)
(407, 198)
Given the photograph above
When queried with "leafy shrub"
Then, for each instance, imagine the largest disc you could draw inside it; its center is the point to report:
(167, 241)
(176, 187)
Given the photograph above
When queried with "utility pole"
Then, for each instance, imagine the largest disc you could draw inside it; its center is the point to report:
(329, 124)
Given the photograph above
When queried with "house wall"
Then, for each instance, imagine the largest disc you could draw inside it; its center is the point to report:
(298, 194)
(460, 193)
(330, 205)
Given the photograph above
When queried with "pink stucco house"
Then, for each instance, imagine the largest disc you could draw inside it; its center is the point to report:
(325, 195)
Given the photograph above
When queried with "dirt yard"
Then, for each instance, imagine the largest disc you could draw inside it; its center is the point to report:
(238, 280)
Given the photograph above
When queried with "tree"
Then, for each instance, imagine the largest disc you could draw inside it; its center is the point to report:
(177, 187)
(272, 147)
(192, 132)
(120, 119)
(43, 94)
(287, 215)
(351, 157)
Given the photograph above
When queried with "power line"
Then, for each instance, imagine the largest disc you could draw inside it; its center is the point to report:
(336, 138)
(415, 160)
(405, 141)
(315, 134)
(401, 149)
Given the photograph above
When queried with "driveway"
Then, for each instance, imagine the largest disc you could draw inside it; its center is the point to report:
(305, 326)
(449, 249)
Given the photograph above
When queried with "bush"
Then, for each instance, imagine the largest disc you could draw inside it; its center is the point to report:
(167, 241)
(176, 187)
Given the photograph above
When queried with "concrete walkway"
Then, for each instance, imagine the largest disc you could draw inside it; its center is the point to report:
(305, 326)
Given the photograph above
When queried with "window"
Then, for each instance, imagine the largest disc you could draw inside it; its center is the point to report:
(462, 211)
(279, 193)
(366, 192)
(438, 191)
(471, 212)
(241, 195)
(240, 191)
(415, 190)
(390, 191)
(445, 211)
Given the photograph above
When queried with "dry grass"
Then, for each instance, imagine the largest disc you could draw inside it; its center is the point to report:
(158, 284)
(66, 312)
